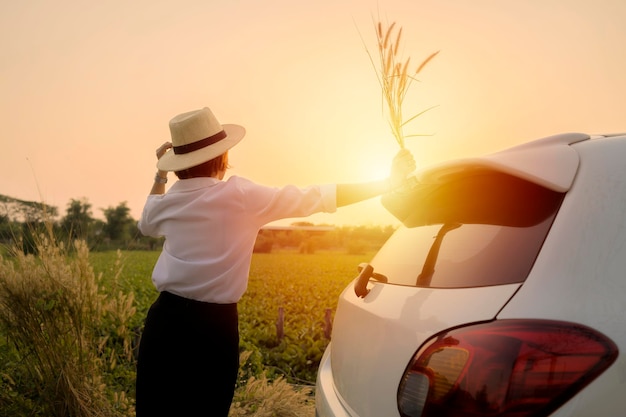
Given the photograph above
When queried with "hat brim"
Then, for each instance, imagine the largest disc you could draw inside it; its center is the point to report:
(173, 162)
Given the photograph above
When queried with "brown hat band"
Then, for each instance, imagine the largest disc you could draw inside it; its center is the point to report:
(202, 143)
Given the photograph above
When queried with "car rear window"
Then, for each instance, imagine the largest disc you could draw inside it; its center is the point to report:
(477, 229)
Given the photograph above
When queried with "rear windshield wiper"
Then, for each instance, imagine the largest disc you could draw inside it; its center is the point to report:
(424, 278)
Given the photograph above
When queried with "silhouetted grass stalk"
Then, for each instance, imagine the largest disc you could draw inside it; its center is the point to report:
(395, 77)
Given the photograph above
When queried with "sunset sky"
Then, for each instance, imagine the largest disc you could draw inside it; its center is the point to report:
(87, 88)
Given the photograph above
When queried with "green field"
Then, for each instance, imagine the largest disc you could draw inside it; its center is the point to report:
(305, 286)
(71, 321)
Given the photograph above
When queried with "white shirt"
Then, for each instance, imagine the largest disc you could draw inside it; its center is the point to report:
(210, 227)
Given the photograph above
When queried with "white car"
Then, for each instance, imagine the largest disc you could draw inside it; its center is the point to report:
(503, 293)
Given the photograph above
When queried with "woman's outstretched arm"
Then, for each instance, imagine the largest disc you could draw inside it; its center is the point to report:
(403, 164)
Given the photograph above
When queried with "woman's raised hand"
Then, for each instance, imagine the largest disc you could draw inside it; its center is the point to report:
(162, 149)
(403, 164)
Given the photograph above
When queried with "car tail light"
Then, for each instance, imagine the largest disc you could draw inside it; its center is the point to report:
(503, 368)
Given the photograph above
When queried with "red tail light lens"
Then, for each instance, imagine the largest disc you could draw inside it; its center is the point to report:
(504, 368)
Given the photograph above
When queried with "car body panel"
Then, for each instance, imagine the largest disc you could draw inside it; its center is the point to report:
(391, 322)
(583, 259)
(327, 402)
(580, 274)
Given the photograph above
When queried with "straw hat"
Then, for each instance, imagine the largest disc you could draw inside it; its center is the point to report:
(198, 137)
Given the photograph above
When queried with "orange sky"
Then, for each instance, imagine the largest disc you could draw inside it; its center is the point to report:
(87, 88)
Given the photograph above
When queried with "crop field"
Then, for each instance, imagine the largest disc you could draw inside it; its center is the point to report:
(70, 323)
(304, 286)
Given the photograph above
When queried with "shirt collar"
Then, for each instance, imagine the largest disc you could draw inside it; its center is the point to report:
(192, 184)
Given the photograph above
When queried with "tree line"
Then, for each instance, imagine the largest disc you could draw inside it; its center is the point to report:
(22, 221)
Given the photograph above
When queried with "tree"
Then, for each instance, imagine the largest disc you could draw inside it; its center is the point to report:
(8, 229)
(118, 223)
(78, 220)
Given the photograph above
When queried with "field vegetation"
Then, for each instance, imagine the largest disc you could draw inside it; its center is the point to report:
(70, 321)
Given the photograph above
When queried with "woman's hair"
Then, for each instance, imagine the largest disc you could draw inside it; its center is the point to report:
(206, 169)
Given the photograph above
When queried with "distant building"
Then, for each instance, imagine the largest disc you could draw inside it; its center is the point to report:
(313, 230)
(305, 237)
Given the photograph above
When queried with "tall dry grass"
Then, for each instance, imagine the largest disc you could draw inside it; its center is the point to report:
(64, 334)
(395, 76)
(261, 397)
(66, 345)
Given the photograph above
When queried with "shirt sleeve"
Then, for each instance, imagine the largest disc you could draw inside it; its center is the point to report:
(268, 204)
(145, 226)
(329, 195)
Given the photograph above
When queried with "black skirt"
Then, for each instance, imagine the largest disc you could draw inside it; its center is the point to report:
(188, 358)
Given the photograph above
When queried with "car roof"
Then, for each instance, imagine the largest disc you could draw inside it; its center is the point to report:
(550, 162)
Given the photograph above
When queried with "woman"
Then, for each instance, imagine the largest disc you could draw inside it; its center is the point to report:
(189, 352)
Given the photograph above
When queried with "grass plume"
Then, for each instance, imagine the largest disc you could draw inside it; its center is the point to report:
(262, 397)
(395, 77)
(62, 334)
